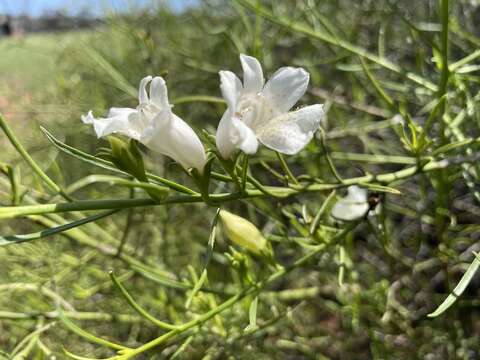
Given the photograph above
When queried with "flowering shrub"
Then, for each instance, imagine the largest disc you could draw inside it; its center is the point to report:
(282, 213)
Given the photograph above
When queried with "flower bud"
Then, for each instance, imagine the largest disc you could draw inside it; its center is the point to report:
(242, 232)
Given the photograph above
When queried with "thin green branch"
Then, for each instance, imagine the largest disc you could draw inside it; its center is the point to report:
(84, 205)
(15, 239)
(343, 44)
(26, 156)
(285, 168)
(330, 163)
(140, 310)
(252, 290)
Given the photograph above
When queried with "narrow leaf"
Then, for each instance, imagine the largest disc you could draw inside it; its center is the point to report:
(119, 80)
(80, 155)
(459, 289)
(211, 242)
(139, 309)
(333, 40)
(86, 335)
(252, 315)
(15, 239)
(380, 188)
(198, 98)
(77, 357)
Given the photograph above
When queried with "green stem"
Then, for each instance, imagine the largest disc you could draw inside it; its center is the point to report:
(382, 93)
(469, 58)
(70, 150)
(374, 158)
(316, 221)
(137, 307)
(26, 156)
(128, 224)
(343, 44)
(285, 168)
(254, 289)
(77, 315)
(442, 89)
(331, 165)
(115, 180)
(443, 189)
(13, 211)
(155, 274)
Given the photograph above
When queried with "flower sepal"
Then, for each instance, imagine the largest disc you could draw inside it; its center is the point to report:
(240, 263)
(202, 179)
(268, 256)
(126, 156)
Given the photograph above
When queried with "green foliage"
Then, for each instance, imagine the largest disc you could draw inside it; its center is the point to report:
(400, 85)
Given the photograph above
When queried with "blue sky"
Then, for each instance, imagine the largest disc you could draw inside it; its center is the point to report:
(97, 7)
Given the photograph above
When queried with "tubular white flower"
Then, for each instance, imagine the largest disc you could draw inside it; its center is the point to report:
(258, 112)
(352, 207)
(155, 125)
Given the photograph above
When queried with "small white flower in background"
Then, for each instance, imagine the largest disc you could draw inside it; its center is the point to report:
(352, 207)
(261, 111)
(155, 125)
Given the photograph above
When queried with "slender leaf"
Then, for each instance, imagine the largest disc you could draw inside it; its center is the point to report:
(15, 239)
(80, 155)
(86, 335)
(343, 44)
(198, 98)
(380, 188)
(139, 309)
(203, 277)
(119, 80)
(252, 315)
(459, 289)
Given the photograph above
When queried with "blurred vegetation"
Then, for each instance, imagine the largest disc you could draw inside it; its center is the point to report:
(365, 297)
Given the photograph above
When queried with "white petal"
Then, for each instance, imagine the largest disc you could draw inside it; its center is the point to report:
(120, 123)
(89, 118)
(353, 206)
(286, 87)
(244, 138)
(233, 134)
(225, 146)
(349, 211)
(158, 93)
(142, 90)
(231, 87)
(291, 132)
(133, 126)
(356, 193)
(176, 139)
(252, 74)
(114, 111)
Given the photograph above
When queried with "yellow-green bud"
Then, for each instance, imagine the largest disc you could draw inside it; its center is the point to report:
(242, 232)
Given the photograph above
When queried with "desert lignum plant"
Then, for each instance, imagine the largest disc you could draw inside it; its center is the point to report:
(342, 231)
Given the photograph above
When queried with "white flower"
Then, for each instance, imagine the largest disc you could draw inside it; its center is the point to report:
(352, 207)
(258, 111)
(155, 125)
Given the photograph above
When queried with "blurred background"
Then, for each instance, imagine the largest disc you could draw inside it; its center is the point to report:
(59, 59)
